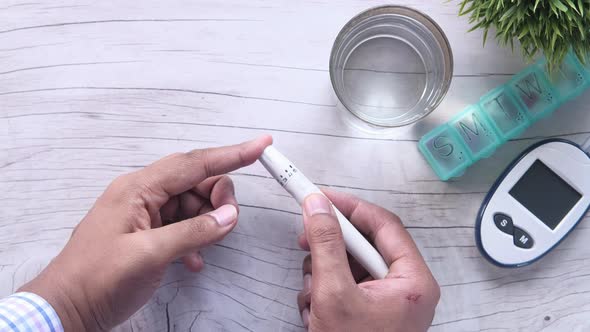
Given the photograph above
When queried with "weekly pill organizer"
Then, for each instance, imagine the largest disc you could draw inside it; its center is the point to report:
(502, 114)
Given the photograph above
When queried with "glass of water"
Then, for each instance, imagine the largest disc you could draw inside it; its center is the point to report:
(391, 66)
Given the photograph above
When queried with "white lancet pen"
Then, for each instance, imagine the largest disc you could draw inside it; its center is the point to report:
(285, 172)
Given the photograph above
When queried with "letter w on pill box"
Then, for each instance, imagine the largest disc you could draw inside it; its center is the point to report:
(500, 115)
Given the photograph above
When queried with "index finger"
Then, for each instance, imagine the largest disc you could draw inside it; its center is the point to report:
(385, 230)
(180, 172)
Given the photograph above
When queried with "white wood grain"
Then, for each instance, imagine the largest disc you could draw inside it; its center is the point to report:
(90, 90)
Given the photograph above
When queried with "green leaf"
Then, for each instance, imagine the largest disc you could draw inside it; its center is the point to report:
(469, 10)
(499, 5)
(509, 13)
(477, 26)
(554, 10)
(553, 40)
(524, 32)
(556, 31)
(580, 54)
(572, 5)
(462, 8)
(559, 5)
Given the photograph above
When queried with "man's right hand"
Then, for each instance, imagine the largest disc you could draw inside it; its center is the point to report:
(339, 295)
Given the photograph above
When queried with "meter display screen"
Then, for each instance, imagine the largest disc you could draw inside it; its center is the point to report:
(545, 194)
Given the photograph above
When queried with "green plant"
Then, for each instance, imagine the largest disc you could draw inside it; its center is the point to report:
(551, 27)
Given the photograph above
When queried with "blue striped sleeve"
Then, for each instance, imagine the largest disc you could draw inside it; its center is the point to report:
(27, 312)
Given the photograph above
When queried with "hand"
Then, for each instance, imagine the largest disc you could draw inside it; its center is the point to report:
(118, 254)
(339, 295)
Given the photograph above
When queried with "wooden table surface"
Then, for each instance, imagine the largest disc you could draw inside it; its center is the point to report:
(93, 89)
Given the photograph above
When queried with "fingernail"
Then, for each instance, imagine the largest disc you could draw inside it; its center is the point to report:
(305, 317)
(316, 204)
(259, 138)
(225, 215)
(307, 283)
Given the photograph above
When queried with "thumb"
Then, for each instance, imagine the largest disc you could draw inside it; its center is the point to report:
(179, 239)
(328, 252)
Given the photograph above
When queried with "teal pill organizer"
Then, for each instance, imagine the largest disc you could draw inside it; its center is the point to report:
(502, 114)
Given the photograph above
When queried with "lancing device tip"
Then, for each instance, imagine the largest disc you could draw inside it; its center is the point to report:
(291, 178)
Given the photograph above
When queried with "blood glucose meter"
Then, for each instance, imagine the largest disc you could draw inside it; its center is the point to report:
(535, 203)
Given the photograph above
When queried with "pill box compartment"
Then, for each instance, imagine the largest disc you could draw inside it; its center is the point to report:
(476, 131)
(445, 152)
(534, 92)
(569, 79)
(507, 115)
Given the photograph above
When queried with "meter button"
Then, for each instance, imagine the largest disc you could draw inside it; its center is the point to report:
(522, 239)
(504, 223)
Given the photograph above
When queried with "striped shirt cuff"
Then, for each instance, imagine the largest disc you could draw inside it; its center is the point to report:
(24, 312)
